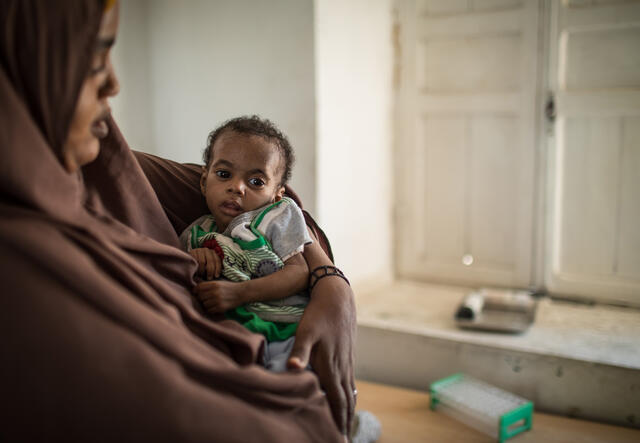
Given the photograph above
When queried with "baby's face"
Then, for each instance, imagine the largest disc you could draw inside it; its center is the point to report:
(245, 174)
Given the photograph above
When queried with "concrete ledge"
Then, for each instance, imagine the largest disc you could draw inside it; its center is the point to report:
(407, 337)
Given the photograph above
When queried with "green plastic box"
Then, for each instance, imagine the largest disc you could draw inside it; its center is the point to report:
(487, 408)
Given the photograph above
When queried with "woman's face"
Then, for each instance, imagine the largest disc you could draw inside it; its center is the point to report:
(92, 108)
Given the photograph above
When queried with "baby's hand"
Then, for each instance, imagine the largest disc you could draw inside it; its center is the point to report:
(209, 264)
(219, 295)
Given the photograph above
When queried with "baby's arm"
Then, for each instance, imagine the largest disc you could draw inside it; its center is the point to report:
(209, 263)
(222, 295)
(291, 279)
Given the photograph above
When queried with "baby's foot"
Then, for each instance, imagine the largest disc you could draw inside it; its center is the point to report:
(366, 428)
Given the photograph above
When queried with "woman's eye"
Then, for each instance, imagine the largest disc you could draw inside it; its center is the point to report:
(223, 174)
(97, 70)
(99, 64)
(256, 182)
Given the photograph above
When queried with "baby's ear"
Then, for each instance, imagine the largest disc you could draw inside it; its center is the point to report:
(203, 180)
(279, 194)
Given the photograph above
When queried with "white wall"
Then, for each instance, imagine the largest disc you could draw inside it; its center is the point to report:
(132, 107)
(185, 67)
(354, 168)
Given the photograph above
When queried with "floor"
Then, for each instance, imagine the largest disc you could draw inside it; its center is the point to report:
(406, 418)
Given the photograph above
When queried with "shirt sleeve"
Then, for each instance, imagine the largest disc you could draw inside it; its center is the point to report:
(284, 227)
(186, 237)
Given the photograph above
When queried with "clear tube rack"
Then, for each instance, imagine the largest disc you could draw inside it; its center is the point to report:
(487, 408)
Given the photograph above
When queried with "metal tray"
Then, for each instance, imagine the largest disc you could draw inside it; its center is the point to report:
(501, 310)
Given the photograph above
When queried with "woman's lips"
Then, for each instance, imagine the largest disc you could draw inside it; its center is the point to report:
(100, 129)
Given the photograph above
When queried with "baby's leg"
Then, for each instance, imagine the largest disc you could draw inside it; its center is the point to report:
(366, 427)
(276, 354)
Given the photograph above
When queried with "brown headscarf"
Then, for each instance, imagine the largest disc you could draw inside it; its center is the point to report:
(101, 339)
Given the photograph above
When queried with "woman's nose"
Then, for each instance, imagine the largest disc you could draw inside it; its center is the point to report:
(112, 86)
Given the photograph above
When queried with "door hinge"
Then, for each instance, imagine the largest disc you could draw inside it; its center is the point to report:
(550, 108)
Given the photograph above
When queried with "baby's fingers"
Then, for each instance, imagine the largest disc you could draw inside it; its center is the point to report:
(218, 264)
(199, 256)
(211, 263)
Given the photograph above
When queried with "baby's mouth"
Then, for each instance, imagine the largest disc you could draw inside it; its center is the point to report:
(231, 207)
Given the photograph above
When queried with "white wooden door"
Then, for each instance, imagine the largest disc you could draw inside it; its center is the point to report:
(594, 189)
(465, 140)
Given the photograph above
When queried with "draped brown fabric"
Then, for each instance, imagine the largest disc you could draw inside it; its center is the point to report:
(101, 339)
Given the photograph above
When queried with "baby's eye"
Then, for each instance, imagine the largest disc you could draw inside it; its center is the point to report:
(223, 174)
(258, 182)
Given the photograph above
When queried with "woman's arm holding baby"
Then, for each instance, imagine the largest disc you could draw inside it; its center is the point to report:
(326, 334)
(222, 295)
(325, 338)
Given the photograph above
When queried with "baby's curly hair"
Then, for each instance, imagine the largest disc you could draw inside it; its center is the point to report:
(254, 125)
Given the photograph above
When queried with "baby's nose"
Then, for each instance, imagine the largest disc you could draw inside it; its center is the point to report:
(236, 186)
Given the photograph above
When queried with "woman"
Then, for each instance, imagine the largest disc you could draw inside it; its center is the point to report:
(101, 338)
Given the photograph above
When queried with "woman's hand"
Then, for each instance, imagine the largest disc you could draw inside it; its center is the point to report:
(219, 295)
(325, 338)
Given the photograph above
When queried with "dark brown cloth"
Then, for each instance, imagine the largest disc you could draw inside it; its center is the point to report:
(101, 339)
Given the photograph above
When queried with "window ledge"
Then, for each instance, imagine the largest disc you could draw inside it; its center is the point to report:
(575, 360)
(593, 333)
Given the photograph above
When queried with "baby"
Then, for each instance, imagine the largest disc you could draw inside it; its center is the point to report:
(252, 232)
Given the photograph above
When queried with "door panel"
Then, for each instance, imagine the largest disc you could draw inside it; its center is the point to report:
(602, 58)
(628, 259)
(466, 141)
(441, 238)
(595, 210)
(469, 65)
(590, 179)
(492, 175)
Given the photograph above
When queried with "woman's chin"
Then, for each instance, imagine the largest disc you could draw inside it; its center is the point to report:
(90, 153)
(75, 157)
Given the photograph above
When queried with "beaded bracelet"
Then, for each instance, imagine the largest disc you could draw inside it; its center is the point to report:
(325, 271)
(213, 244)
